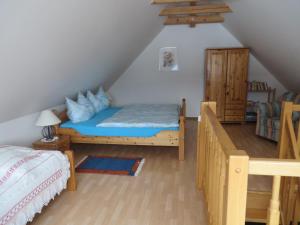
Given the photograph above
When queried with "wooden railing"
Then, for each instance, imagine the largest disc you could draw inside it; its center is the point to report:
(280, 169)
(222, 171)
(222, 174)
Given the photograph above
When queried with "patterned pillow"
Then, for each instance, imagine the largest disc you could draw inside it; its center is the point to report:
(95, 101)
(82, 100)
(103, 97)
(287, 96)
(77, 112)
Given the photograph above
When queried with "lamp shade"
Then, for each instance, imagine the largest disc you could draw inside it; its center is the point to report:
(47, 118)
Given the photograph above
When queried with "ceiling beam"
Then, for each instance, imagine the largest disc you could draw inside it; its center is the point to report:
(194, 10)
(173, 1)
(192, 20)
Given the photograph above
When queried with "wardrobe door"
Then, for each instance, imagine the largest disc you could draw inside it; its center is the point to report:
(236, 89)
(215, 79)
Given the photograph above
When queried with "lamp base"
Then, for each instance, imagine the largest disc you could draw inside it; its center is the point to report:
(48, 133)
(55, 138)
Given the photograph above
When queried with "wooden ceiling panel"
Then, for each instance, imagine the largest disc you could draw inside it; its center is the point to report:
(192, 20)
(194, 10)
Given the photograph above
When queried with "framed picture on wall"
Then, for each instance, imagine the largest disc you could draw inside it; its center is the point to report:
(168, 60)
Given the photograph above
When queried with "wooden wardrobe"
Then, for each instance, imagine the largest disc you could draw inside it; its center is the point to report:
(226, 76)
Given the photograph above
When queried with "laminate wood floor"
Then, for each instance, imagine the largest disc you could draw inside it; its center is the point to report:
(244, 138)
(163, 194)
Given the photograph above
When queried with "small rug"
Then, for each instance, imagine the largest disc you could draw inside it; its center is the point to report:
(110, 165)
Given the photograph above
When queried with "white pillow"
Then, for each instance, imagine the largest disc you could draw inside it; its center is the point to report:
(103, 97)
(76, 112)
(82, 100)
(95, 101)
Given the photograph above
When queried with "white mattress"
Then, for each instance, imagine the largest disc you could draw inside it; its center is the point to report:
(29, 179)
(142, 115)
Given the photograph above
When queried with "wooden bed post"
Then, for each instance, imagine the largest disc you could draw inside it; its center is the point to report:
(63, 117)
(182, 130)
(72, 180)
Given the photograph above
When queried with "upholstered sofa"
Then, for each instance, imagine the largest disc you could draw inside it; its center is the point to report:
(268, 116)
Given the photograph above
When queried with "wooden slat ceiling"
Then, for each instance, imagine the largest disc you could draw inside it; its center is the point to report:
(192, 12)
(193, 19)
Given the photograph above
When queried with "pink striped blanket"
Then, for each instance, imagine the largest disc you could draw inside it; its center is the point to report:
(29, 179)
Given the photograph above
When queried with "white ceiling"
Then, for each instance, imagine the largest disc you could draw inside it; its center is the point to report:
(51, 49)
(271, 28)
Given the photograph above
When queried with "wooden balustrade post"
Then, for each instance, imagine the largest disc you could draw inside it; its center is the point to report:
(200, 148)
(236, 197)
(200, 153)
(274, 212)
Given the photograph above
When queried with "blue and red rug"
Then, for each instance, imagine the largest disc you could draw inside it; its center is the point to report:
(110, 165)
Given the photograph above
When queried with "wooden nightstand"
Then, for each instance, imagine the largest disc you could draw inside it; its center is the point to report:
(62, 144)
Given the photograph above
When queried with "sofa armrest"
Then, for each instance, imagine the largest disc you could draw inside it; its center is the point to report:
(276, 109)
(264, 110)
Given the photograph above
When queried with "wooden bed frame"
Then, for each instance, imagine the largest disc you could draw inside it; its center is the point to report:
(71, 185)
(163, 138)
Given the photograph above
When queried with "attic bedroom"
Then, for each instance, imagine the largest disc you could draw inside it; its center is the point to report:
(162, 112)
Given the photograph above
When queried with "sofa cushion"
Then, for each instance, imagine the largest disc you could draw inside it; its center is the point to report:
(264, 109)
(276, 109)
(276, 123)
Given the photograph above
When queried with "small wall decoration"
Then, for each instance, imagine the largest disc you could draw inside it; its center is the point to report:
(168, 59)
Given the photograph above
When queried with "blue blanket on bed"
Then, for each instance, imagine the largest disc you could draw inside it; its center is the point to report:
(89, 127)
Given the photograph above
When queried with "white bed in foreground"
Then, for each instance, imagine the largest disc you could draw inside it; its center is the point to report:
(29, 179)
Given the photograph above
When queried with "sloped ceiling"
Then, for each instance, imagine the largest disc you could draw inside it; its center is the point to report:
(271, 28)
(51, 49)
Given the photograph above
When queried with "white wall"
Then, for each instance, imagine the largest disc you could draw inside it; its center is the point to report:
(22, 131)
(52, 49)
(143, 83)
(272, 35)
(258, 72)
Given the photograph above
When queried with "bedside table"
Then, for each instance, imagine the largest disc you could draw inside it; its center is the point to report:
(61, 144)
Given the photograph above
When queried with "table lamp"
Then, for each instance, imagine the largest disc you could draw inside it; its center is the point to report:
(48, 119)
